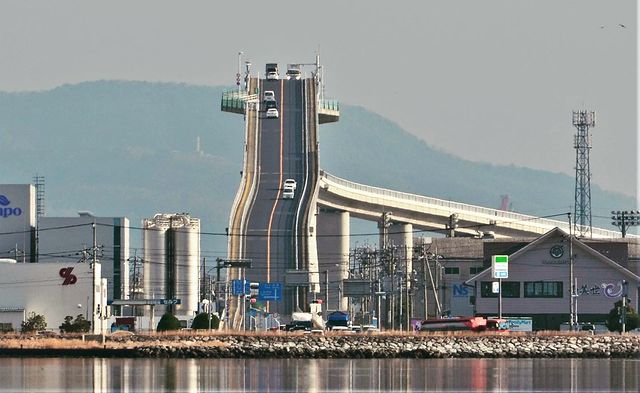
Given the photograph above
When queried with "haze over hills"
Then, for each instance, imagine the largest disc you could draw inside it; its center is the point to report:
(129, 149)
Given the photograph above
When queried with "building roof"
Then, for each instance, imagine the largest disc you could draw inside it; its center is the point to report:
(576, 243)
(11, 309)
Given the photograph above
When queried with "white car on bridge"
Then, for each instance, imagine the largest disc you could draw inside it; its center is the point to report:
(272, 113)
(287, 192)
(269, 95)
(289, 183)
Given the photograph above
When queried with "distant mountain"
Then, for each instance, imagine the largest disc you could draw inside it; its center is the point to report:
(129, 148)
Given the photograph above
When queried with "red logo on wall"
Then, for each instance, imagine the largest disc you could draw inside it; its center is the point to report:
(69, 279)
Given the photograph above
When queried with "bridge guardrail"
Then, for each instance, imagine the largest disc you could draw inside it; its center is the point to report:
(234, 101)
(331, 105)
(462, 207)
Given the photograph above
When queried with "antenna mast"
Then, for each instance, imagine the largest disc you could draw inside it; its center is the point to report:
(583, 120)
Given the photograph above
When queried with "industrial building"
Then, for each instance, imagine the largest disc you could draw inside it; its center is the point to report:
(171, 262)
(54, 290)
(70, 240)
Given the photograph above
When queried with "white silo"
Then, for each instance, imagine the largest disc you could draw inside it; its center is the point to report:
(155, 258)
(186, 245)
(172, 260)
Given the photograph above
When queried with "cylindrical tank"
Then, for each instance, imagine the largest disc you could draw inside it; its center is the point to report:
(155, 258)
(172, 261)
(186, 233)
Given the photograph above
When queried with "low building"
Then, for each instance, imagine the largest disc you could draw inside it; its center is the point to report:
(538, 285)
(54, 290)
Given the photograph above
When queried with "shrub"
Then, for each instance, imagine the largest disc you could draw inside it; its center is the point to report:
(201, 321)
(615, 315)
(34, 323)
(80, 325)
(168, 322)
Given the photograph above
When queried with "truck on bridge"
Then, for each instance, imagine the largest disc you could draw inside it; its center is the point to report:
(271, 71)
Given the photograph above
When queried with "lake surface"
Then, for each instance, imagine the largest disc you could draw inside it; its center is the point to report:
(318, 375)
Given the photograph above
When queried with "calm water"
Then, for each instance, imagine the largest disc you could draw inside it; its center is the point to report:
(324, 375)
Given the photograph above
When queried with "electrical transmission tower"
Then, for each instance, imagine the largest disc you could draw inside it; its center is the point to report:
(583, 120)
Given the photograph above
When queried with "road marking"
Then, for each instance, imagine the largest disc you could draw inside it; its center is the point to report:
(273, 210)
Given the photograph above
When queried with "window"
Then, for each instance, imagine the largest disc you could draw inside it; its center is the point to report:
(475, 270)
(509, 289)
(543, 289)
(451, 270)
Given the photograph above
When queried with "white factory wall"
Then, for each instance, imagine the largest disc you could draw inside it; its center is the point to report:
(61, 239)
(50, 290)
(17, 221)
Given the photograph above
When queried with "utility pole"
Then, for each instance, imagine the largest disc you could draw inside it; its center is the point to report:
(624, 305)
(16, 251)
(433, 284)
(407, 288)
(424, 283)
(326, 289)
(572, 292)
(210, 300)
(135, 287)
(94, 260)
(387, 263)
(452, 225)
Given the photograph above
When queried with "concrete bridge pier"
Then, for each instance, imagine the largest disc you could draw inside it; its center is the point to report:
(399, 274)
(333, 256)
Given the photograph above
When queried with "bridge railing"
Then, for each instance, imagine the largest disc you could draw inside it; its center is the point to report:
(234, 101)
(461, 207)
(330, 105)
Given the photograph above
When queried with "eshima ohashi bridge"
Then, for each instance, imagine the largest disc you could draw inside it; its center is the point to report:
(278, 235)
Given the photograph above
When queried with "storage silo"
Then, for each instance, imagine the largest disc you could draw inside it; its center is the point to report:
(154, 270)
(172, 261)
(186, 240)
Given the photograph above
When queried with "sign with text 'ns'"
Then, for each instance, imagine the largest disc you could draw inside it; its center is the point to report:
(500, 266)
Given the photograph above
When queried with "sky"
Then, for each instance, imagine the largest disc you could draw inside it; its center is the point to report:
(490, 81)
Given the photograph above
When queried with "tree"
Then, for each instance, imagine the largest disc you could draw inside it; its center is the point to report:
(201, 321)
(614, 321)
(35, 322)
(168, 322)
(80, 325)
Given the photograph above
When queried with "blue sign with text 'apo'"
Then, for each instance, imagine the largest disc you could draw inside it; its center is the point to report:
(270, 291)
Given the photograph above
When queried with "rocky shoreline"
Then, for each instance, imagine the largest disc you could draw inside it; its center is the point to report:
(339, 346)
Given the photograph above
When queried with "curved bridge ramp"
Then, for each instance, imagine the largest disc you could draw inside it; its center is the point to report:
(432, 214)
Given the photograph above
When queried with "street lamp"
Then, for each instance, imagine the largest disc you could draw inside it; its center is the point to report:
(625, 219)
(239, 70)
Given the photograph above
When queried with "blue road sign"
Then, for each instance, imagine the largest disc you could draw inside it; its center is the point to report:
(270, 291)
(236, 287)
